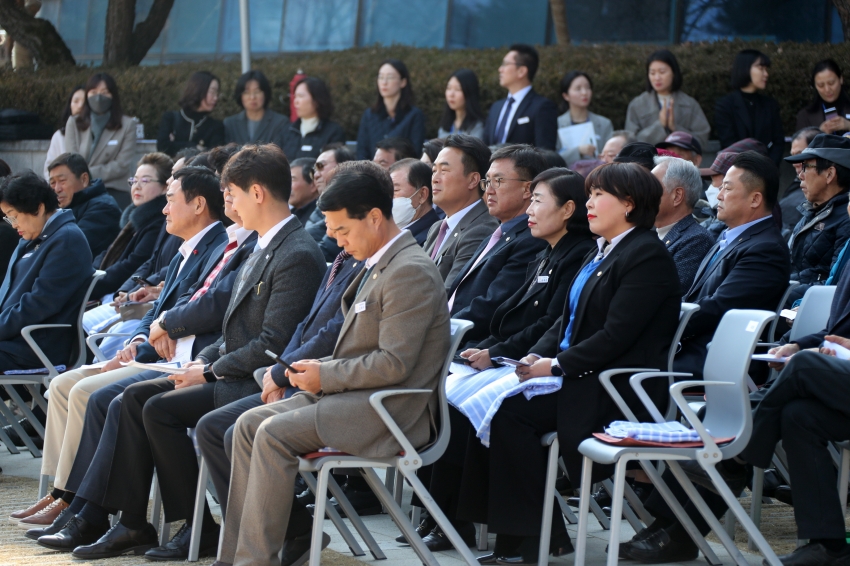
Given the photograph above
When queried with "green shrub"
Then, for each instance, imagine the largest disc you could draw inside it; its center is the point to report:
(617, 71)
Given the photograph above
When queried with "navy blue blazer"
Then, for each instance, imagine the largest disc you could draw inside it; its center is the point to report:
(315, 336)
(751, 273)
(495, 278)
(535, 122)
(376, 126)
(688, 242)
(178, 283)
(156, 266)
(48, 278)
(419, 229)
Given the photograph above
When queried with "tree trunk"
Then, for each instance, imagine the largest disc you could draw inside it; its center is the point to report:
(843, 7)
(559, 18)
(38, 36)
(125, 46)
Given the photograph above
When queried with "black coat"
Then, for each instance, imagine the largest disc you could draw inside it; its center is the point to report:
(97, 215)
(294, 145)
(535, 122)
(524, 318)
(142, 231)
(8, 242)
(818, 238)
(688, 242)
(304, 213)
(375, 126)
(733, 122)
(420, 228)
(207, 131)
(155, 268)
(626, 317)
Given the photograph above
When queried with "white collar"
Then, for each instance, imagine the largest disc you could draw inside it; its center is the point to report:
(453, 220)
(600, 242)
(380, 253)
(520, 94)
(264, 240)
(189, 245)
(238, 234)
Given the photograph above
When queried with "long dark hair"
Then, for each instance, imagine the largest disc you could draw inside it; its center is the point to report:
(66, 113)
(818, 102)
(567, 82)
(469, 85)
(115, 112)
(196, 89)
(321, 95)
(405, 101)
(741, 67)
(664, 56)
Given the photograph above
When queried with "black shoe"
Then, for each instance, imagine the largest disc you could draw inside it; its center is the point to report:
(783, 494)
(623, 552)
(772, 480)
(563, 485)
(437, 540)
(601, 496)
(814, 554)
(297, 551)
(16, 439)
(306, 498)
(664, 545)
(488, 558)
(529, 549)
(300, 485)
(76, 532)
(425, 527)
(364, 502)
(642, 490)
(58, 523)
(735, 478)
(178, 547)
(117, 541)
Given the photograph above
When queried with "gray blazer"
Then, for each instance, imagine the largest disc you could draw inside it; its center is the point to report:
(476, 226)
(395, 335)
(601, 125)
(262, 315)
(271, 128)
(642, 118)
(113, 158)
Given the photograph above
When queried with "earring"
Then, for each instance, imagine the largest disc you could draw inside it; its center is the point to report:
(627, 214)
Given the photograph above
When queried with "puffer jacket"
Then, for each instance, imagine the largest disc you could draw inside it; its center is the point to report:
(817, 239)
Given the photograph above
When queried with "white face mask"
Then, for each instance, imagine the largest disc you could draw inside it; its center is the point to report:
(403, 211)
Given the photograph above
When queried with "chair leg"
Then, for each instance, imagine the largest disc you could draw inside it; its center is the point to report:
(4, 438)
(158, 515)
(198, 515)
(16, 426)
(355, 519)
(548, 503)
(332, 514)
(43, 479)
(755, 504)
(483, 543)
(637, 506)
(843, 478)
(594, 506)
(628, 513)
(729, 523)
(616, 512)
(583, 511)
(565, 509)
(34, 422)
(319, 516)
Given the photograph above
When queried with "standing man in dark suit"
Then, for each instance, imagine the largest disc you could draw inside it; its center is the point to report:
(497, 268)
(687, 241)
(456, 183)
(524, 116)
(412, 205)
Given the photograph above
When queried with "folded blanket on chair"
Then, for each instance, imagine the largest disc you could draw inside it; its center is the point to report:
(655, 432)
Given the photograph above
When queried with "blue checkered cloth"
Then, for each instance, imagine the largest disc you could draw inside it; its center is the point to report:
(653, 432)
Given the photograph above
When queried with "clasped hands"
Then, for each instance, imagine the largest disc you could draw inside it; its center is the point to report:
(537, 367)
(307, 379)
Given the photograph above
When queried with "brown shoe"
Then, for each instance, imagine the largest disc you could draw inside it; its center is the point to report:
(31, 510)
(45, 517)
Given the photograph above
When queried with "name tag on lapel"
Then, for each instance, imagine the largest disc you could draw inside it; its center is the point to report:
(112, 142)
(306, 148)
(819, 227)
(543, 279)
(360, 307)
(25, 256)
(523, 120)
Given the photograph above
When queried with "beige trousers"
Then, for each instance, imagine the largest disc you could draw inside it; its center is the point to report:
(66, 413)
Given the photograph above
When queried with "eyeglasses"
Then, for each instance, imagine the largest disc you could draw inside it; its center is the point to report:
(485, 183)
(142, 181)
(11, 220)
(805, 166)
(320, 165)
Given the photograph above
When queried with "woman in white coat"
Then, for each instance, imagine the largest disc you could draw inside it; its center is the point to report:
(73, 107)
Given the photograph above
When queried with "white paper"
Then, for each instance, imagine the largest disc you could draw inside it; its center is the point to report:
(788, 313)
(461, 369)
(574, 136)
(183, 350)
(98, 365)
(770, 358)
(164, 367)
(841, 352)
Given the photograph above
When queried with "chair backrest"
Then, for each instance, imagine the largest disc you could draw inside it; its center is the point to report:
(771, 333)
(728, 410)
(81, 334)
(813, 313)
(686, 311)
(433, 452)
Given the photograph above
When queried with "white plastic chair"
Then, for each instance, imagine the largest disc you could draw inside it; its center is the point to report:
(771, 333)
(728, 414)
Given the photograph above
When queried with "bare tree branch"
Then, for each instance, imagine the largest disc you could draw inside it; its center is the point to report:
(559, 18)
(38, 36)
(125, 46)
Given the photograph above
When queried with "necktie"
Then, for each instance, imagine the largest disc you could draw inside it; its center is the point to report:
(337, 265)
(720, 247)
(444, 229)
(500, 130)
(364, 279)
(493, 239)
(228, 253)
(247, 267)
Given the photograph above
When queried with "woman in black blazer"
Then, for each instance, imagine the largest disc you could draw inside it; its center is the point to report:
(256, 123)
(621, 311)
(313, 130)
(558, 215)
(746, 112)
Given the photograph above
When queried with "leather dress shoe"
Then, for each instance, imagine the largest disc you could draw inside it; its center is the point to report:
(623, 552)
(306, 498)
(32, 509)
(437, 540)
(117, 541)
(671, 544)
(736, 478)
(16, 439)
(297, 551)
(560, 545)
(178, 547)
(642, 490)
(425, 526)
(60, 521)
(772, 480)
(491, 558)
(45, 517)
(784, 494)
(76, 532)
(601, 496)
(814, 554)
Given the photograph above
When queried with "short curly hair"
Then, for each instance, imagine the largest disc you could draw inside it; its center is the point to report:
(25, 192)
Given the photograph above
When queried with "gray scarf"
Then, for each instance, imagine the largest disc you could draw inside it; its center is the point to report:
(98, 124)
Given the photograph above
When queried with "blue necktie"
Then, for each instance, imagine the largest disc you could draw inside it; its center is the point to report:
(500, 130)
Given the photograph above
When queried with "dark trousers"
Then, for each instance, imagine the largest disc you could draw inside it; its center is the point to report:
(152, 434)
(447, 473)
(214, 434)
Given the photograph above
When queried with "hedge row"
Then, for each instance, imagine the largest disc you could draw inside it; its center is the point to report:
(617, 71)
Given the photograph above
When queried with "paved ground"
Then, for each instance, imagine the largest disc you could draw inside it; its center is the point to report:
(381, 527)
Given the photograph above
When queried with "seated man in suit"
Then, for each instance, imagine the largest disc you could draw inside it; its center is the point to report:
(396, 325)
(687, 241)
(331, 157)
(392, 150)
(95, 210)
(304, 191)
(456, 183)
(524, 116)
(412, 204)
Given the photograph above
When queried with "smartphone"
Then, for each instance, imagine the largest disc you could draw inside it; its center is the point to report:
(143, 282)
(830, 113)
(458, 359)
(501, 360)
(276, 358)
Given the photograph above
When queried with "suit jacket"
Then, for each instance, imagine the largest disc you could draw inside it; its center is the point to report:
(519, 322)
(750, 273)
(734, 122)
(304, 213)
(156, 266)
(642, 118)
(535, 122)
(496, 277)
(97, 215)
(688, 242)
(316, 335)
(271, 295)
(270, 129)
(177, 283)
(48, 278)
(475, 226)
(626, 316)
(113, 157)
(395, 341)
(839, 317)
(420, 228)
